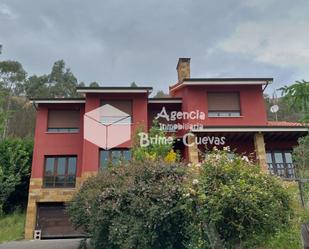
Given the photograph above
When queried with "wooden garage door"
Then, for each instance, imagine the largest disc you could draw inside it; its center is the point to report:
(54, 221)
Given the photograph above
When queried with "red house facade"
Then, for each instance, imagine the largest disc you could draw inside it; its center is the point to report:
(202, 113)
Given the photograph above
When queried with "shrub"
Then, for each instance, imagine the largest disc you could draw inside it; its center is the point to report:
(233, 203)
(301, 157)
(133, 206)
(154, 151)
(221, 203)
(15, 164)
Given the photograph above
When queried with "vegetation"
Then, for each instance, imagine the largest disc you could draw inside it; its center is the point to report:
(289, 237)
(12, 76)
(154, 151)
(136, 206)
(301, 157)
(60, 83)
(161, 94)
(233, 203)
(12, 226)
(284, 114)
(297, 98)
(221, 203)
(15, 164)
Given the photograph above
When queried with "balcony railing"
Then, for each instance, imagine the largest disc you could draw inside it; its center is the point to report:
(285, 170)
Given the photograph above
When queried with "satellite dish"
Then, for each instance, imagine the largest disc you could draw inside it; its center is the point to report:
(274, 108)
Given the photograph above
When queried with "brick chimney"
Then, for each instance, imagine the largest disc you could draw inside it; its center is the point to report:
(183, 69)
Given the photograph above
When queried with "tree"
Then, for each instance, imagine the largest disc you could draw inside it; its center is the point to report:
(12, 78)
(94, 84)
(133, 84)
(22, 118)
(37, 87)
(297, 98)
(161, 94)
(62, 80)
(60, 83)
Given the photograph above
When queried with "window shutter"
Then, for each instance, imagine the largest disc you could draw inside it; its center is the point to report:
(223, 102)
(63, 118)
(123, 105)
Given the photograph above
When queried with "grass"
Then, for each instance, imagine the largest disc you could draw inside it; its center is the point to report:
(12, 227)
(289, 238)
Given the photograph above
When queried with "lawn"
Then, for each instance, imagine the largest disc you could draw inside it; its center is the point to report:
(290, 238)
(12, 227)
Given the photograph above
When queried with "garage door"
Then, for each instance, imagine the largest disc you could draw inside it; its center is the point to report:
(53, 221)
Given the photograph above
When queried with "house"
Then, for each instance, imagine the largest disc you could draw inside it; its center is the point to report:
(75, 138)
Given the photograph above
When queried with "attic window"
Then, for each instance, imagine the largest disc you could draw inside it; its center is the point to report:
(223, 104)
(63, 121)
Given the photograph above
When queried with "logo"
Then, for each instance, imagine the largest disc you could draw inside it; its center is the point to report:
(107, 126)
(178, 115)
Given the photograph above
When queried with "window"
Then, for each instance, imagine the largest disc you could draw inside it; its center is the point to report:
(114, 157)
(123, 116)
(223, 105)
(60, 171)
(63, 121)
(280, 163)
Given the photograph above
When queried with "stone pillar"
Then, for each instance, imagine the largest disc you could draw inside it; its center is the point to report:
(30, 219)
(260, 151)
(192, 150)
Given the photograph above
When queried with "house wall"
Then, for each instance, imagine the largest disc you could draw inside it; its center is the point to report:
(139, 112)
(46, 143)
(253, 112)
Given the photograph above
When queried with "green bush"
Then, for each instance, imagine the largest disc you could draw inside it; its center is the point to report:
(233, 203)
(134, 206)
(301, 157)
(222, 203)
(15, 165)
(154, 151)
(289, 237)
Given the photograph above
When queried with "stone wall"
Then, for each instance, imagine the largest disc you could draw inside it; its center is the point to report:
(39, 194)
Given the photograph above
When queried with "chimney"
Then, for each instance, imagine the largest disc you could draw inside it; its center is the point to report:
(183, 69)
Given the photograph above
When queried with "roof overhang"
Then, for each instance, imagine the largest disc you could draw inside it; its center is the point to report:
(114, 90)
(165, 100)
(252, 129)
(57, 101)
(221, 81)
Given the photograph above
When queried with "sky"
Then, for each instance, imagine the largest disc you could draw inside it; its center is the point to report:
(116, 42)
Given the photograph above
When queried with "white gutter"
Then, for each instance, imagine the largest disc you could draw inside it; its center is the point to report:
(223, 82)
(57, 101)
(176, 101)
(113, 91)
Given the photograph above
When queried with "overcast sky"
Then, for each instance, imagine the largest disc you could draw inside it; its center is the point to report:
(115, 42)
